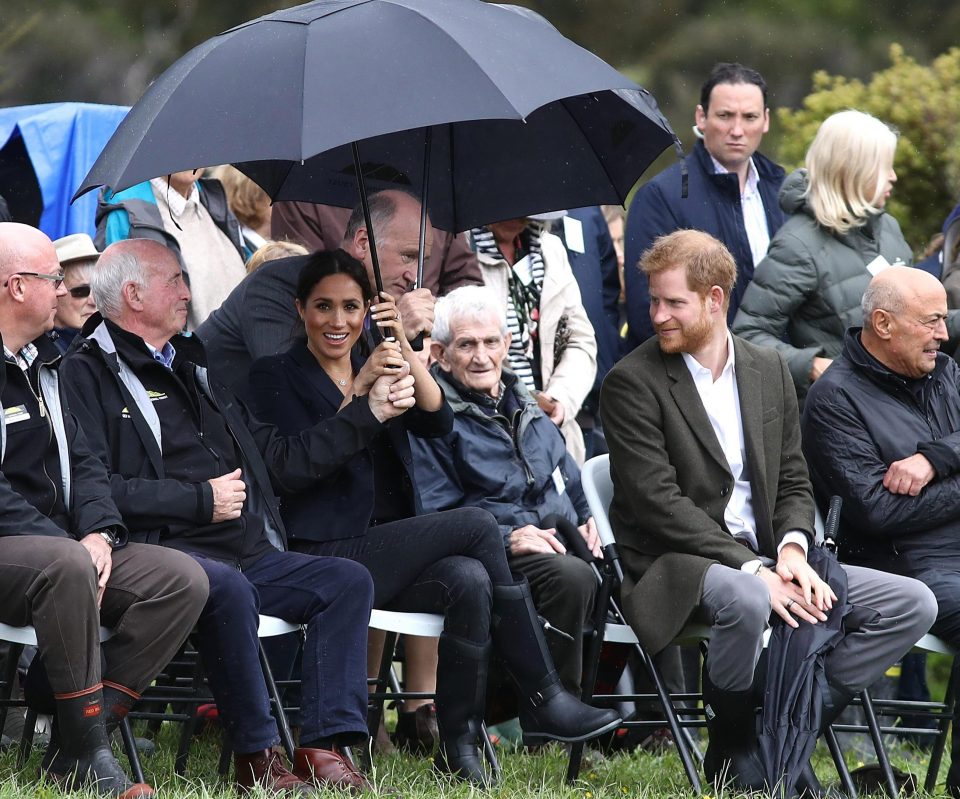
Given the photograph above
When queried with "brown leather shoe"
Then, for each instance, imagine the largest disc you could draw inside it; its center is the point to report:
(327, 768)
(267, 770)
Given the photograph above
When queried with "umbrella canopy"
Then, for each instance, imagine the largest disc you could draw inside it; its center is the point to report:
(583, 150)
(272, 94)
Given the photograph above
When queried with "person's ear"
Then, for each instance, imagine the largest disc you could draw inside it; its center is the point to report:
(361, 243)
(766, 120)
(132, 295)
(299, 307)
(716, 296)
(438, 354)
(882, 323)
(700, 117)
(15, 289)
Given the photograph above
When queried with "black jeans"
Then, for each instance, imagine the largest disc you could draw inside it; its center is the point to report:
(441, 563)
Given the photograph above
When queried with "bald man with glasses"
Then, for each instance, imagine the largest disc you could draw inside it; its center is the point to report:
(66, 567)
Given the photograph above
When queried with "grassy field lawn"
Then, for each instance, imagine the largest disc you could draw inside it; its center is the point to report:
(525, 776)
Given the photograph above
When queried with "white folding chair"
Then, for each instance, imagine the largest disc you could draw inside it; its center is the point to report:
(598, 489)
(428, 625)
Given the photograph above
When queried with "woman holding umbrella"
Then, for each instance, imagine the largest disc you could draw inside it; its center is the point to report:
(452, 562)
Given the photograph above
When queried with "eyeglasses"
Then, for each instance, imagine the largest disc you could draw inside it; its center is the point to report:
(55, 279)
(80, 292)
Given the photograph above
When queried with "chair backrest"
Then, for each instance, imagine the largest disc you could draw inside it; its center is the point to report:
(598, 489)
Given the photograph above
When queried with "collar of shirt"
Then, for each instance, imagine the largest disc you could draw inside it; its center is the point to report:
(164, 356)
(176, 201)
(699, 372)
(753, 177)
(25, 358)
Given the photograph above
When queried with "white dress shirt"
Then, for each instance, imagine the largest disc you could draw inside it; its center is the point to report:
(721, 401)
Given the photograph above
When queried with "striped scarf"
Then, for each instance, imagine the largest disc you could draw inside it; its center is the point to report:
(523, 300)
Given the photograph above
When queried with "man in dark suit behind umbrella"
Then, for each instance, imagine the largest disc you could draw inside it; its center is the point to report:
(712, 503)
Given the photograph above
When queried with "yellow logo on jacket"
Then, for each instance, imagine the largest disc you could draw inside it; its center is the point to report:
(154, 396)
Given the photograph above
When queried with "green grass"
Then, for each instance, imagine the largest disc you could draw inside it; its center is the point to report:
(635, 775)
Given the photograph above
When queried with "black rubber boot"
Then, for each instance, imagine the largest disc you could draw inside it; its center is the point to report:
(547, 710)
(81, 757)
(733, 718)
(118, 701)
(462, 670)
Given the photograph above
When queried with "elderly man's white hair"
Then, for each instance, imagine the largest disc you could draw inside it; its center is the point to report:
(467, 303)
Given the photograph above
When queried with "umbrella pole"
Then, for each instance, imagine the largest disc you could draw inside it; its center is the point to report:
(374, 260)
(417, 342)
(366, 218)
(427, 141)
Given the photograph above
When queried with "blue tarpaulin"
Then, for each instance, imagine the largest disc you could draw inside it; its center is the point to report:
(62, 141)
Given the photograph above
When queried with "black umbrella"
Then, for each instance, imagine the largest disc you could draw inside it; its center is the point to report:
(796, 683)
(522, 120)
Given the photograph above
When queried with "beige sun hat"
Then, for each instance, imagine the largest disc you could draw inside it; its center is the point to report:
(75, 247)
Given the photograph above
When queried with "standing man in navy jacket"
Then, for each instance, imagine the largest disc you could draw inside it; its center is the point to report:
(732, 190)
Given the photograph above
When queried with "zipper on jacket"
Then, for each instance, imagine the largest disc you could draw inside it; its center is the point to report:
(515, 425)
(38, 394)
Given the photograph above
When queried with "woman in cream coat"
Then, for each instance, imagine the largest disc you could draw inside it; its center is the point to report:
(553, 348)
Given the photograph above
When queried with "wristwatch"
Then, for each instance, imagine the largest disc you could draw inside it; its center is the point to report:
(109, 535)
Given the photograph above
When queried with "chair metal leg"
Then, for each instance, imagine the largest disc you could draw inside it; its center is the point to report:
(223, 762)
(9, 677)
(489, 753)
(130, 746)
(26, 737)
(943, 724)
(189, 726)
(849, 788)
(672, 722)
(874, 727)
(286, 736)
(589, 680)
(385, 678)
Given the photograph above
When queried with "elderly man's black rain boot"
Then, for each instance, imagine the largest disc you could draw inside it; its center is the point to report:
(547, 710)
(83, 758)
(461, 693)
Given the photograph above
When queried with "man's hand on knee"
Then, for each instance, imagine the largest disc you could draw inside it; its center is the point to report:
(102, 556)
(531, 540)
